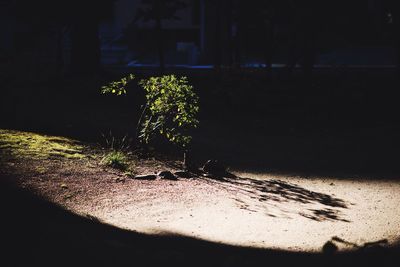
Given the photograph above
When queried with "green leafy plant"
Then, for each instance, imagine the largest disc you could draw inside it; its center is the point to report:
(115, 159)
(117, 153)
(170, 111)
(117, 87)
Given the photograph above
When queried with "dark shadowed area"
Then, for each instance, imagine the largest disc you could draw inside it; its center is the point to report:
(296, 104)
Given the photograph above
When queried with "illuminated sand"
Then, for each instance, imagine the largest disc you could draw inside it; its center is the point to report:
(259, 210)
(297, 214)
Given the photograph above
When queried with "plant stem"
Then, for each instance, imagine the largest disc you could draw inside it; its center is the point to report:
(140, 121)
(186, 160)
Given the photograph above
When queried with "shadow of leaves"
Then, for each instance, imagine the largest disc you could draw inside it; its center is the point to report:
(261, 195)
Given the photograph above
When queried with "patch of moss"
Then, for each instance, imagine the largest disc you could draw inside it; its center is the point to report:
(40, 169)
(31, 145)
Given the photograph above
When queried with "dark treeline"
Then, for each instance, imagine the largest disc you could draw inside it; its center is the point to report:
(300, 28)
(45, 24)
(305, 27)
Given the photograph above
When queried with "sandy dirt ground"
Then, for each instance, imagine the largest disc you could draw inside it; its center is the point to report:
(258, 212)
(254, 210)
(267, 211)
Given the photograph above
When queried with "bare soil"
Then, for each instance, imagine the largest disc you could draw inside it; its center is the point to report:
(253, 210)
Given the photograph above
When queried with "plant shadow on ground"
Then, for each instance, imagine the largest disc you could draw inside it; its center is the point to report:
(270, 195)
(39, 233)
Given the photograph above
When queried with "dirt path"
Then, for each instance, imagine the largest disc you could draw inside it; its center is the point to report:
(274, 213)
(261, 210)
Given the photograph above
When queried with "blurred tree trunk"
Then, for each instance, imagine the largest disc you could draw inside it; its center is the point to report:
(396, 22)
(60, 49)
(309, 36)
(304, 36)
(393, 9)
(229, 45)
(217, 49)
(239, 33)
(160, 37)
(292, 53)
(309, 54)
(314, 24)
(293, 38)
(85, 47)
(398, 50)
(269, 44)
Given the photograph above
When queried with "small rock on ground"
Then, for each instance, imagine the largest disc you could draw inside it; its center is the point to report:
(167, 175)
(183, 174)
(145, 177)
(214, 167)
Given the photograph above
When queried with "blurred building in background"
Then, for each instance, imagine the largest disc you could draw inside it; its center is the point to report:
(38, 38)
(356, 33)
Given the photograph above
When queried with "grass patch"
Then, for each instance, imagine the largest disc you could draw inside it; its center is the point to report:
(41, 169)
(31, 145)
(116, 160)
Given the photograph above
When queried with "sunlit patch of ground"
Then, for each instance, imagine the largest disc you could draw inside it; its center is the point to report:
(37, 146)
(259, 210)
(275, 212)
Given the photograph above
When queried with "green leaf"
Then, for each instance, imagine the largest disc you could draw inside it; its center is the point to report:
(171, 104)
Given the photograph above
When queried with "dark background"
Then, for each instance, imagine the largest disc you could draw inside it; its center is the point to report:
(300, 87)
